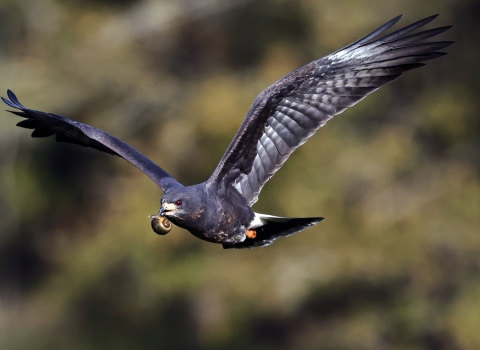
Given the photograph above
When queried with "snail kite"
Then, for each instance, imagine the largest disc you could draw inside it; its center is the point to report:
(281, 118)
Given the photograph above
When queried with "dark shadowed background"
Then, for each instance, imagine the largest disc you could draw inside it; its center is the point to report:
(396, 265)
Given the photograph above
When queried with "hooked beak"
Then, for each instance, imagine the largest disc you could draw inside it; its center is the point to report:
(166, 208)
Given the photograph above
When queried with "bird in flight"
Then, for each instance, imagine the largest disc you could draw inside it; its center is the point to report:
(281, 119)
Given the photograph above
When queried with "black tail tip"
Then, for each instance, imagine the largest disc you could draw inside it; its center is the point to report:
(274, 228)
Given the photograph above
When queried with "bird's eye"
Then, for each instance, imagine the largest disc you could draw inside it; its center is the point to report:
(178, 203)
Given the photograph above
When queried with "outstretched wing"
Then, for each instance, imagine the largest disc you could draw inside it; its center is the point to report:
(66, 130)
(286, 114)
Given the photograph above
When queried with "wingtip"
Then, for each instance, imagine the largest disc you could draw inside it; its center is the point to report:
(431, 18)
(316, 220)
(9, 103)
(393, 21)
(447, 43)
(444, 28)
(398, 17)
(13, 98)
(11, 94)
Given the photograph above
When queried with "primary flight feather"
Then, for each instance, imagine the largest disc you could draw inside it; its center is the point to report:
(281, 119)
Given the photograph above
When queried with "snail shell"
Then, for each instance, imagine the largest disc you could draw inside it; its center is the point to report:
(160, 225)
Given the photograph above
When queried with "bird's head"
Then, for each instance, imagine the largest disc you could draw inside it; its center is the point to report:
(183, 206)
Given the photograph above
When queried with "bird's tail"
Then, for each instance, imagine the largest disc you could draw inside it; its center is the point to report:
(267, 228)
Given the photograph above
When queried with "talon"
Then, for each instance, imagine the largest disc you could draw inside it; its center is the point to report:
(251, 234)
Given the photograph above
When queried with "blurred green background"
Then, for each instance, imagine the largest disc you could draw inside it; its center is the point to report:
(396, 265)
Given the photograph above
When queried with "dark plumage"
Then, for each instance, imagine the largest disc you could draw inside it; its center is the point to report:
(281, 118)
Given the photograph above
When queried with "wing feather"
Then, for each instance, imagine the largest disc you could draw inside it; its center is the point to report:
(291, 110)
(67, 130)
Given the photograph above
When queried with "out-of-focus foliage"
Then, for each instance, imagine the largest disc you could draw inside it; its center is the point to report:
(396, 265)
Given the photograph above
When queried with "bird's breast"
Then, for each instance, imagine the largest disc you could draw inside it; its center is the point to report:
(224, 221)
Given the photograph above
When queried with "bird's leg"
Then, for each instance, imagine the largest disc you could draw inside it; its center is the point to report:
(251, 234)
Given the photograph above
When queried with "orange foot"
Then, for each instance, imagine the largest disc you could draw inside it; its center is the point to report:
(251, 234)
